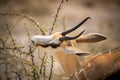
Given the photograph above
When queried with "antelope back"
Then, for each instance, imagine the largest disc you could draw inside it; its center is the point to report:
(99, 67)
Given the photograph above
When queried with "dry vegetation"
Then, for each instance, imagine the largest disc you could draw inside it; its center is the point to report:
(21, 61)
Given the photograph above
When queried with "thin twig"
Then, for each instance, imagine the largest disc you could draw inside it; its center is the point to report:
(42, 63)
(56, 16)
(13, 40)
(33, 63)
(44, 72)
(63, 23)
(6, 72)
(2, 43)
(24, 68)
(31, 50)
(51, 69)
(15, 49)
(10, 34)
(28, 34)
(32, 59)
(44, 66)
(18, 75)
(27, 17)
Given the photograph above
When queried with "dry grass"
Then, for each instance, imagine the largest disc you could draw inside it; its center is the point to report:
(20, 63)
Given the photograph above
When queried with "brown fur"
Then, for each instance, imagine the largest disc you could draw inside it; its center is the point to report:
(70, 62)
(100, 66)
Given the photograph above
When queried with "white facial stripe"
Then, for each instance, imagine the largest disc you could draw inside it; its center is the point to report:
(43, 40)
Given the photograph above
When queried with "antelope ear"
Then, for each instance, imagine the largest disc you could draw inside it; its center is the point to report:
(91, 38)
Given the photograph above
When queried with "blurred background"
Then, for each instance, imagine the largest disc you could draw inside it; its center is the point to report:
(105, 16)
(105, 19)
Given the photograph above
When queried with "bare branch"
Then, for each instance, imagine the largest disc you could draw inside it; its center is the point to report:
(56, 16)
(10, 34)
(27, 17)
(51, 69)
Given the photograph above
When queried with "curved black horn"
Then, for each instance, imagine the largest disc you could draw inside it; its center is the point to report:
(77, 26)
(70, 38)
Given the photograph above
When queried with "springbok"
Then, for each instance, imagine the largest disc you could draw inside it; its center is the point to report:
(69, 44)
(103, 66)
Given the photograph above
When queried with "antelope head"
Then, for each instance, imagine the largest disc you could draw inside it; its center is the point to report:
(67, 42)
